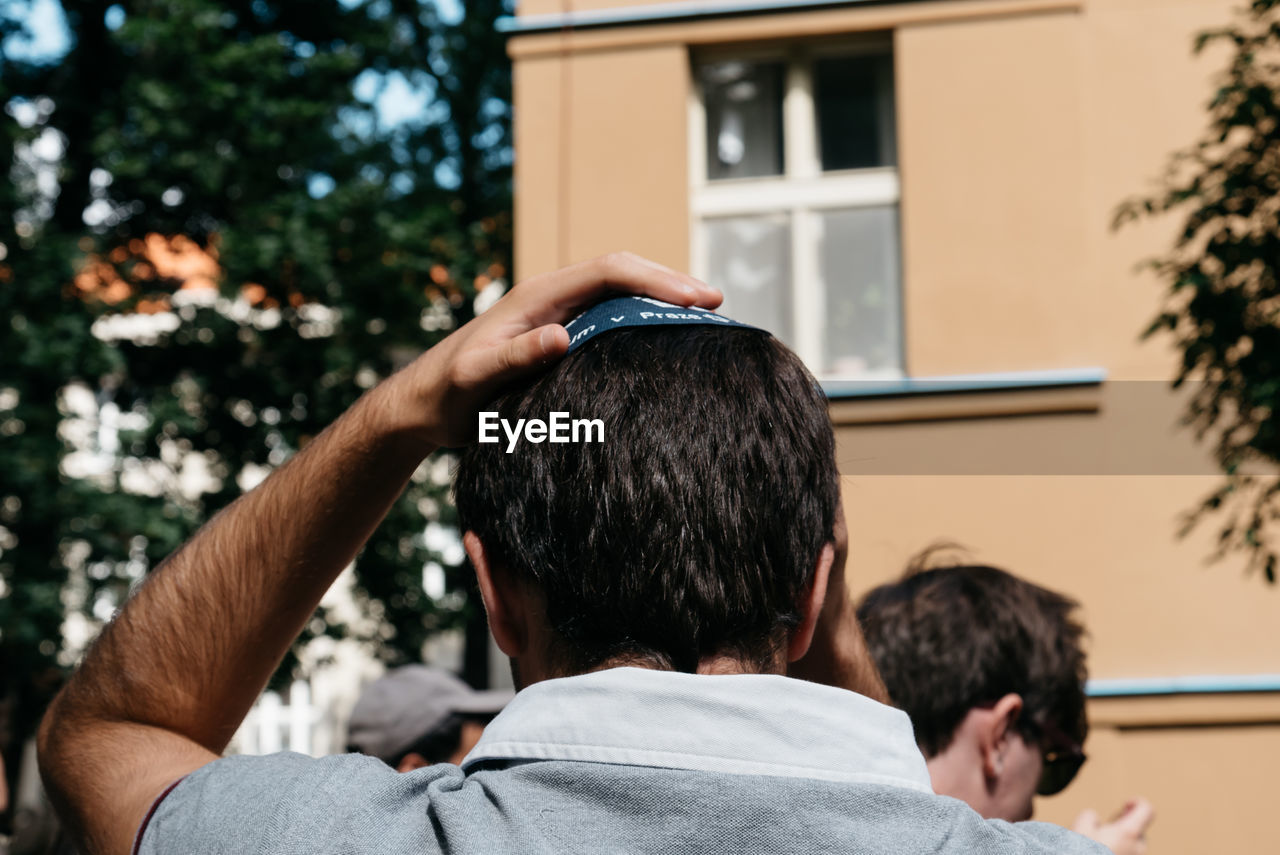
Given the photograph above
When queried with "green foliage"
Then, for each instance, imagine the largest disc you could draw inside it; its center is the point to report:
(344, 245)
(1222, 307)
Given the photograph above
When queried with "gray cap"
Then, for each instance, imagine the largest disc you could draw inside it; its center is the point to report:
(406, 704)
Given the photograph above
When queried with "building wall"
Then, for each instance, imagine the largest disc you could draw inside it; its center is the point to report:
(1021, 125)
(626, 147)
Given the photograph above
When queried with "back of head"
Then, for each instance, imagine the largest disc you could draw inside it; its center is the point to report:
(949, 639)
(693, 528)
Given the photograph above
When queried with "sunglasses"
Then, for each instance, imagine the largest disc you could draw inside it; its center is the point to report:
(1063, 757)
(1060, 768)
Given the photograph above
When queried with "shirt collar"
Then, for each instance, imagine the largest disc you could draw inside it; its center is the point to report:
(748, 724)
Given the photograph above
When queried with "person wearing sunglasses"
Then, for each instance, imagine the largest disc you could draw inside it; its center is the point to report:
(990, 669)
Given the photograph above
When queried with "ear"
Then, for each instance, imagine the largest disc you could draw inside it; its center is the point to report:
(811, 601)
(997, 729)
(412, 760)
(508, 616)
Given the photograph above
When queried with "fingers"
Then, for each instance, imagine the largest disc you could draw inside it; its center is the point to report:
(520, 355)
(1136, 817)
(523, 332)
(553, 297)
(708, 297)
(1124, 835)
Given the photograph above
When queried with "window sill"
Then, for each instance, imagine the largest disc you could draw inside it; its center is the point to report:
(1219, 700)
(964, 396)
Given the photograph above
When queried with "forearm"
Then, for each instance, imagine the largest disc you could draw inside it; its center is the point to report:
(192, 650)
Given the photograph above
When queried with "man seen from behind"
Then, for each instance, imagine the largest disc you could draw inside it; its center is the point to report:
(649, 590)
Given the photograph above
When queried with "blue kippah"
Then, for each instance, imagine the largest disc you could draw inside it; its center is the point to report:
(619, 312)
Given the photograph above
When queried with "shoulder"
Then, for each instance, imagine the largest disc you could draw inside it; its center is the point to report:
(282, 801)
(1047, 838)
(937, 823)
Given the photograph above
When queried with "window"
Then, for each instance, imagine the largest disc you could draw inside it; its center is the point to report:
(795, 199)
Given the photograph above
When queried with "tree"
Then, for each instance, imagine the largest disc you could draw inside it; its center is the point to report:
(237, 146)
(1222, 307)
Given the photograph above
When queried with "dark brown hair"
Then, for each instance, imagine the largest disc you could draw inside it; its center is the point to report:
(694, 527)
(952, 638)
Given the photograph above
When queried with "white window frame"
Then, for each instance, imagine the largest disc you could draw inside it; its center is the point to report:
(803, 190)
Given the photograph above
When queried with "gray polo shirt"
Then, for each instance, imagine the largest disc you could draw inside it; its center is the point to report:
(619, 761)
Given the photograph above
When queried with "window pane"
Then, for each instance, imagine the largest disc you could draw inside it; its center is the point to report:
(854, 100)
(860, 270)
(744, 118)
(750, 261)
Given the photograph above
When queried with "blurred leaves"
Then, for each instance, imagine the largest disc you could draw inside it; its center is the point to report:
(1222, 306)
(214, 238)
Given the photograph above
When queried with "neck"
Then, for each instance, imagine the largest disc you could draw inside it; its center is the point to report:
(735, 665)
(525, 671)
(954, 772)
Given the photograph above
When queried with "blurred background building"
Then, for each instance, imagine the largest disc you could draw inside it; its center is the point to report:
(918, 197)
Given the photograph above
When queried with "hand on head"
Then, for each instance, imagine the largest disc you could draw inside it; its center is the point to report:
(523, 331)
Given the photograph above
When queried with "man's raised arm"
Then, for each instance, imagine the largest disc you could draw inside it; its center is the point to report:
(170, 679)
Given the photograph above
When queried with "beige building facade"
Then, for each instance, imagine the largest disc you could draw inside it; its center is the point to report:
(918, 197)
